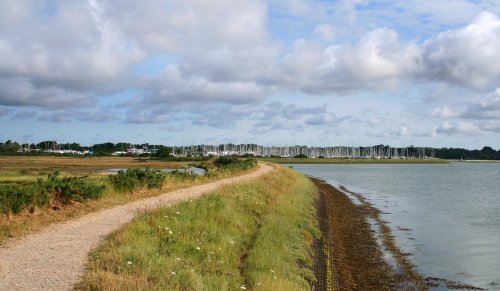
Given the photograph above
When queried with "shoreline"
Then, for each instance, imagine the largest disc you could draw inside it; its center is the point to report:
(351, 161)
(359, 249)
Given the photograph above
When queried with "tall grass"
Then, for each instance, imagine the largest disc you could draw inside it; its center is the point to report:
(255, 235)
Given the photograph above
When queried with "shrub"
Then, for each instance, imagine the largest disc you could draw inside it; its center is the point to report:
(136, 178)
(234, 163)
(70, 188)
(15, 197)
(12, 199)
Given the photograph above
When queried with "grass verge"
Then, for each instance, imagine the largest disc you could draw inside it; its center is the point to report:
(256, 235)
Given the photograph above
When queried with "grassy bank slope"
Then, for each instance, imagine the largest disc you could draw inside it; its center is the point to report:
(254, 235)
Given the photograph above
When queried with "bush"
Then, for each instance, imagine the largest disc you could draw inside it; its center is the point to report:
(137, 178)
(234, 163)
(15, 197)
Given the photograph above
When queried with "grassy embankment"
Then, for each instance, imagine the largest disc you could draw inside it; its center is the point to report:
(256, 235)
(32, 195)
(350, 161)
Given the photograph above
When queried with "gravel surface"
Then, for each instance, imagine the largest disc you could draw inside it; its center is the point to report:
(55, 258)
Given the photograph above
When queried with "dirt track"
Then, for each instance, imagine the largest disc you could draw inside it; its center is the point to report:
(54, 258)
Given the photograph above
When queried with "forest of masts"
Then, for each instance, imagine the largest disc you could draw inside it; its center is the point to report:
(372, 152)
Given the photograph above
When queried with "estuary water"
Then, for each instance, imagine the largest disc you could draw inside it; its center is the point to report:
(446, 215)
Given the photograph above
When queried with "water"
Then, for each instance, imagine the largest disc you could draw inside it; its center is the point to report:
(447, 215)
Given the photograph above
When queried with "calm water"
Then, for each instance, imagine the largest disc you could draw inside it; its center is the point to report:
(452, 211)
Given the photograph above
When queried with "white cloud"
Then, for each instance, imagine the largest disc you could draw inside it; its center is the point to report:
(21, 92)
(444, 112)
(324, 31)
(461, 127)
(403, 131)
(378, 60)
(76, 46)
(4, 111)
(466, 56)
(484, 108)
(174, 87)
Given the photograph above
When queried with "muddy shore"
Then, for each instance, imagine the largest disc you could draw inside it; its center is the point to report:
(357, 250)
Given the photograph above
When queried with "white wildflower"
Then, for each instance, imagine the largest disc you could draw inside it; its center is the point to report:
(178, 259)
(170, 232)
(243, 287)
(129, 263)
(198, 248)
(173, 273)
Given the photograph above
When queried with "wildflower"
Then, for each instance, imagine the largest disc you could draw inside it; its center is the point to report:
(129, 263)
(173, 273)
(167, 228)
(170, 232)
(211, 253)
(274, 277)
(272, 271)
(177, 212)
(243, 287)
(178, 259)
(198, 248)
(231, 242)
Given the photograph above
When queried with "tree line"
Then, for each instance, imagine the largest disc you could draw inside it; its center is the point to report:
(10, 147)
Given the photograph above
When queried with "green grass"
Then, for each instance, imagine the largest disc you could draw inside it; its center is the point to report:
(257, 235)
(350, 161)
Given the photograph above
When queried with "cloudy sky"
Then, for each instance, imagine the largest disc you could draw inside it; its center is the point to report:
(276, 72)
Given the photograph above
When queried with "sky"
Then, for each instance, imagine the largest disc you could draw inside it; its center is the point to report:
(276, 72)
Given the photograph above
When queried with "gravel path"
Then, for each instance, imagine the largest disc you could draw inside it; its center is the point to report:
(55, 258)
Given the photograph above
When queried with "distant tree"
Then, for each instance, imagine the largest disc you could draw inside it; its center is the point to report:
(301, 156)
(103, 149)
(163, 152)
